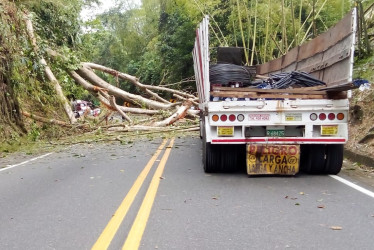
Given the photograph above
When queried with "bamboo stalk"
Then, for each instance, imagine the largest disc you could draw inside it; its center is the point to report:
(306, 34)
(303, 24)
(254, 34)
(234, 31)
(314, 19)
(267, 32)
(212, 29)
(249, 18)
(284, 31)
(241, 31)
(364, 29)
(293, 20)
(300, 12)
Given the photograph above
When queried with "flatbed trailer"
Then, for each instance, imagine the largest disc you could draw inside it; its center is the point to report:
(279, 131)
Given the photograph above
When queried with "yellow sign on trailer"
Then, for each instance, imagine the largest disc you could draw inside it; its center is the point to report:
(273, 159)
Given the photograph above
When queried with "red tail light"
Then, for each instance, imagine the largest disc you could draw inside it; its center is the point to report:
(331, 116)
(232, 118)
(223, 118)
(322, 116)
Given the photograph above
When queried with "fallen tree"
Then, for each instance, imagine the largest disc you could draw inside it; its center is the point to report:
(48, 71)
(150, 101)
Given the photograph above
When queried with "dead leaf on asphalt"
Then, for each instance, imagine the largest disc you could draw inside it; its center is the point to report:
(214, 198)
(302, 193)
(321, 206)
(162, 178)
(293, 198)
(336, 228)
(297, 204)
(122, 170)
(286, 197)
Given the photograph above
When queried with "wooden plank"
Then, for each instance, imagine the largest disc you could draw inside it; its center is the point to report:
(340, 83)
(258, 95)
(286, 91)
(322, 87)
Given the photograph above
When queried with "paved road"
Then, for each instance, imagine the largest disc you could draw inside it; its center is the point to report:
(155, 195)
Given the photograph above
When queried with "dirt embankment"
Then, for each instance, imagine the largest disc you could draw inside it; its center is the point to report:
(361, 125)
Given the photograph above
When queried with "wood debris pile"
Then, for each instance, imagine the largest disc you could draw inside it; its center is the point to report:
(149, 103)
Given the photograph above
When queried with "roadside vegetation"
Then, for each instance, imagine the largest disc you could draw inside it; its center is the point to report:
(144, 51)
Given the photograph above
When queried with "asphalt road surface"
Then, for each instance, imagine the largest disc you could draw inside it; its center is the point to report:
(155, 195)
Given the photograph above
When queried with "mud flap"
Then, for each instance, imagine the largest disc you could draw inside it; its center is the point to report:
(273, 159)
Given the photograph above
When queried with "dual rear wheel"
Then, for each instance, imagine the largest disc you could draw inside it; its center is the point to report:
(321, 159)
(314, 159)
(223, 158)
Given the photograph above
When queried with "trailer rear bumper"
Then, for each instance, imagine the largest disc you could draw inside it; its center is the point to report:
(266, 140)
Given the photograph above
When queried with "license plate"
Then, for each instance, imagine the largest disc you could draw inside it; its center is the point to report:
(275, 132)
(225, 131)
(273, 159)
(329, 130)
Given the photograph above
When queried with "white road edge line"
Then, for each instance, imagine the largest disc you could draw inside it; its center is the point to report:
(352, 185)
(22, 163)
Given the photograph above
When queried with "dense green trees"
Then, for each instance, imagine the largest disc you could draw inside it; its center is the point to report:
(152, 41)
(155, 41)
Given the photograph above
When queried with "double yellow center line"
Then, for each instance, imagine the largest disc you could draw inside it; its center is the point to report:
(136, 232)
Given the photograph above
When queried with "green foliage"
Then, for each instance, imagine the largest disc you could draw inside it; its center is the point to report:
(57, 22)
(34, 132)
(155, 41)
(364, 68)
(177, 33)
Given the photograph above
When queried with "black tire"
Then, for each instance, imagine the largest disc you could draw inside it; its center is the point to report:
(304, 158)
(210, 157)
(334, 158)
(223, 158)
(313, 159)
(202, 127)
(231, 157)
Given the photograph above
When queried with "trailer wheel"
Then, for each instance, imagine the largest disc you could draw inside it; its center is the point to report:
(334, 158)
(304, 158)
(313, 159)
(202, 127)
(232, 157)
(210, 155)
(222, 158)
